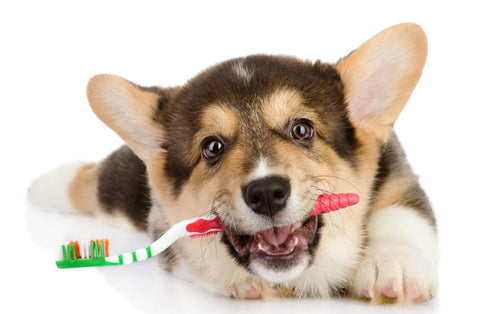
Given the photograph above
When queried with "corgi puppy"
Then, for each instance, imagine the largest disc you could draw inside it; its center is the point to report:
(255, 141)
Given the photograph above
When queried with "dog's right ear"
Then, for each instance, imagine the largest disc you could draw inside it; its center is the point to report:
(129, 110)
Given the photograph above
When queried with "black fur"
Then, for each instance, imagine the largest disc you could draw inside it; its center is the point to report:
(243, 260)
(123, 186)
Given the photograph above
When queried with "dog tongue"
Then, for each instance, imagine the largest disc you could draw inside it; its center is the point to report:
(276, 235)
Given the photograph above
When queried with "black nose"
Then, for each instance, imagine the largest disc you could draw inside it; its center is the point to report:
(267, 196)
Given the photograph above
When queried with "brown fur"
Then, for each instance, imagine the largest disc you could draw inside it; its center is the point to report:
(83, 189)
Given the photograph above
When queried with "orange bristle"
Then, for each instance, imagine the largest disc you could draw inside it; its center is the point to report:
(77, 249)
(106, 247)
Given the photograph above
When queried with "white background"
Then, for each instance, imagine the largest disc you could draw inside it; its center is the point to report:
(49, 50)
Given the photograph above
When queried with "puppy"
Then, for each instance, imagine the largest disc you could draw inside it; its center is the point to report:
(255, 141)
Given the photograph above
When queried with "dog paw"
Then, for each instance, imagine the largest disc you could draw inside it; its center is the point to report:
(253, 288)
(398, 279)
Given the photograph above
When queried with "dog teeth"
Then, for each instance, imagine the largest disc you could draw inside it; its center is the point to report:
(261, 248)
(296, 242)
(294, 228)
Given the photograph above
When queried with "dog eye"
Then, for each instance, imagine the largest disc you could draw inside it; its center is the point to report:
(302, 131)
(212, 148)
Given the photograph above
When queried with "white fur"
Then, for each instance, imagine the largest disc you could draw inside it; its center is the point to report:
(242, 71)
(279, 276)
(401, 256)
(50, 191)
(262, 170)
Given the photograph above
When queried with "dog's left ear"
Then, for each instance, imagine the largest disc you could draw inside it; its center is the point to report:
(129, 110)
(380, 76)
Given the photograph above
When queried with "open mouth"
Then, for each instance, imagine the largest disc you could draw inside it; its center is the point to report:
(282, 253)
(277, 249)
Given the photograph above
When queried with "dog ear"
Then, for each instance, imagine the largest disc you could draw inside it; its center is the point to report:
(381, 74)
(129, 110)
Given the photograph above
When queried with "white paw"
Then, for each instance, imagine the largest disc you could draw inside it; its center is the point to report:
(395, 278)
(254, 288)
(400, 263)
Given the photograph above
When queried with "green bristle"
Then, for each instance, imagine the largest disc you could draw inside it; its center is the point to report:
(64, 251)
(97, 257)
(74, 251)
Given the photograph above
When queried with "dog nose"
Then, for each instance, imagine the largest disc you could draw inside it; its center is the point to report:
(267, 196)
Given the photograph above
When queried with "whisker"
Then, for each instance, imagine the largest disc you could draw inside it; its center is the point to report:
(357, 190)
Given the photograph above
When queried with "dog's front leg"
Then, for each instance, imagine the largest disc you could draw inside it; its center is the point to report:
(401, 257)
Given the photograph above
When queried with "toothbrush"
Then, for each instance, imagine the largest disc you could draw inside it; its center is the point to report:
(95, 253)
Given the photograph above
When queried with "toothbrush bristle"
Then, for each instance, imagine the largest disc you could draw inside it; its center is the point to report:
(204, 235)
(76, 250)
(106, 247)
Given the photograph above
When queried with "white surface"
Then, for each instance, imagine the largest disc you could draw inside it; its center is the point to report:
(49, 50)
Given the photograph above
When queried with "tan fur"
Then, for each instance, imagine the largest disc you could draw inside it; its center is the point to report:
(83, 189)
(218, 119)
(128, 110)
(393, 192)
(281, 106)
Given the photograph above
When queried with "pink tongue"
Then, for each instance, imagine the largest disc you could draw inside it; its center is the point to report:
(276, 235)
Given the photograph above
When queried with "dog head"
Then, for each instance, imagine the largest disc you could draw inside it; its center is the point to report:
(256, 140)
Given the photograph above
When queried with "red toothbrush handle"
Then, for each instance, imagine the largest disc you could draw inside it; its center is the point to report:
(330, 202)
